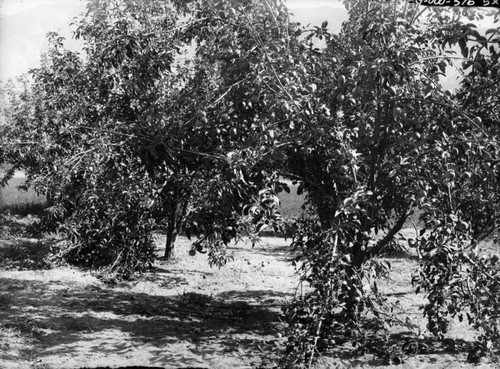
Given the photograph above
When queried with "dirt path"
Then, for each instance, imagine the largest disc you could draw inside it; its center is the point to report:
(185, 314)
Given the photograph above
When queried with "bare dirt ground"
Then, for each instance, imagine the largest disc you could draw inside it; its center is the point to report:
(182, 314)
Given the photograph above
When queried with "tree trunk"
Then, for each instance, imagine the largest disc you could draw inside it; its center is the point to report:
(171, 237)
(174, 227)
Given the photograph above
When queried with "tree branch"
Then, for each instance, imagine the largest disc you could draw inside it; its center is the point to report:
(389, 236)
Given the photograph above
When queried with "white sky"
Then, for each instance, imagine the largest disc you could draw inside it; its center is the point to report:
(294, 4)
(15, 60)
(14, 6)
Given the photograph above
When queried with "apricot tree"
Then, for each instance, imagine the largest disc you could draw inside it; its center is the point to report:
(160, 121)
(185, 113)
(385, 141)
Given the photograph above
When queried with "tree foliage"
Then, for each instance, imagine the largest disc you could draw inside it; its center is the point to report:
(186, 114)
(390, 141)
(137, 129)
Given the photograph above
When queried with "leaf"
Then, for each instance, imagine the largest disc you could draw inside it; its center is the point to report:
(466, 64)
(300, 190)
(463, 47)
(482, 40)
(261, 227)
(442, 66)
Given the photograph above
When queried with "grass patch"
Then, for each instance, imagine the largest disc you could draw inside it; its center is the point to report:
(20, 202)
(21, 247)
(14, 226)
(25, 254)
(24, 209)
(291, 203)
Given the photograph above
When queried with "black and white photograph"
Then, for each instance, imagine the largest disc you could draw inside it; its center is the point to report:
(258, 184)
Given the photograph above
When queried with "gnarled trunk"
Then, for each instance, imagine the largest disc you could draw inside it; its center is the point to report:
(171, 237)
(174, 226)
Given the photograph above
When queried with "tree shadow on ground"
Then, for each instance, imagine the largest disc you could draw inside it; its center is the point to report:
(265, 297)
(386, 349)
(61, 318)
(279, 253)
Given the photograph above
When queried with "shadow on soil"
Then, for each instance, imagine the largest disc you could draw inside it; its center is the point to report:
(266, 297)
(279, 253)
(61, 319)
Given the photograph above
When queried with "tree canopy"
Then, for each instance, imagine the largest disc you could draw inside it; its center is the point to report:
(187, 114)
